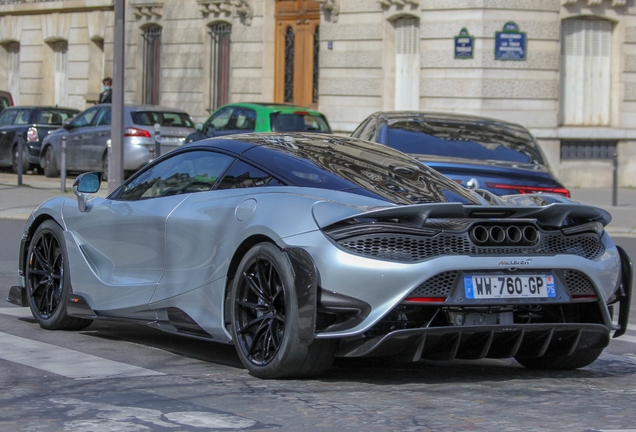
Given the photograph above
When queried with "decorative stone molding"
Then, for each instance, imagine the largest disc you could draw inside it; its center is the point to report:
(389, 3)
(331, 8)
(11, 29)
(592, 3)
(147, 10)
(56, 26)
(242, 8)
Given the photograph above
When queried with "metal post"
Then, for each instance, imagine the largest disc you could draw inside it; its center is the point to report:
(157, 140)
(63, 163)
(615, 180)
(20, 150)
(116, 162)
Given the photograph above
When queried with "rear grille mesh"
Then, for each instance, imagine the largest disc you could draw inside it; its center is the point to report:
(407, 248)
(578, 283)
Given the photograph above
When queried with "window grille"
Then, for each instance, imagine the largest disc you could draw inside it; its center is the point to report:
(587, 149)
(289, 65)
(220, 65)
(13, 49)
(152, 64)
(60, 49)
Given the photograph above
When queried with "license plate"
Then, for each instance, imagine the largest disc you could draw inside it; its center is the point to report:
(520, 286)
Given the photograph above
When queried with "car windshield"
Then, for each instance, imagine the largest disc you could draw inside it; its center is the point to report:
(164, 118)
(483, 141)
(356, 166)
(300, 121)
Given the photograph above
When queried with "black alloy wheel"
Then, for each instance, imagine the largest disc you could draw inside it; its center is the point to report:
(48, 281)
(50, 170)
(265, 319)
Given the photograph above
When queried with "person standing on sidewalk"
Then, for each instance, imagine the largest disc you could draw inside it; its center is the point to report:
(107, 94)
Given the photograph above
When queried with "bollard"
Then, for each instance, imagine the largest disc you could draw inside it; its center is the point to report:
(20, 150)
(63, 167)
(157, 140)
(615, 180)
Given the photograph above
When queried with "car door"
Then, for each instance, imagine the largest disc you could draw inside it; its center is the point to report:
(80, 131)
(94, 148)
(7, 134)
(124, 239)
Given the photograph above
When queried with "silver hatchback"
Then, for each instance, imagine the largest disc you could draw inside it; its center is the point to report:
(87, 137)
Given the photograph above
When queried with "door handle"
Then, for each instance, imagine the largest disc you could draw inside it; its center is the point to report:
(103, 133)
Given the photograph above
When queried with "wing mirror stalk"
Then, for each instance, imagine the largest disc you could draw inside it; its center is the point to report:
(85, 185)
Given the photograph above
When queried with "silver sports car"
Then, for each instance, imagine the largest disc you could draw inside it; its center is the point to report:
(297, 248)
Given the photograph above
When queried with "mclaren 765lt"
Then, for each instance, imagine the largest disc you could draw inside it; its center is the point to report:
(298, 248)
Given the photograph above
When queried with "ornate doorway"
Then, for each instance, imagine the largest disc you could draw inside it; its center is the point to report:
(297, 50)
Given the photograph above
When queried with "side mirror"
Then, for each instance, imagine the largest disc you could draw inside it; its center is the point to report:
(67, 124)
(84, 185)
(198, 127)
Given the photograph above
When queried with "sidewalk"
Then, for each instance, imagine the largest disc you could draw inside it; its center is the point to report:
(17, 202)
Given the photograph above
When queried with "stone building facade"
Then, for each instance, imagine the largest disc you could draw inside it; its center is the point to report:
(571, 81)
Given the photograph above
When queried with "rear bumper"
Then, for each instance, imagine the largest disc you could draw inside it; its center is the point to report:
(477, 342)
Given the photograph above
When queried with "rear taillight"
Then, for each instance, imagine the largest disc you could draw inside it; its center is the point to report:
(529, 189)
(134, 132)
(32, 134)
(416, 300)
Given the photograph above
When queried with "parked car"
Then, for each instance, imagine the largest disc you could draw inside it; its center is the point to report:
(29, 124)
(477, 152)
(87, 137)
(299, 247)
(260, 117)
(6, 100)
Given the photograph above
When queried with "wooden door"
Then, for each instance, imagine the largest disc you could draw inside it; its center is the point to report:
(297, 37)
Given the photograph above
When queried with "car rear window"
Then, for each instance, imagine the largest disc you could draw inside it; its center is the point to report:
(54, 117)
(5, 102)
(300, 121)
(464, 140)
(164, 118)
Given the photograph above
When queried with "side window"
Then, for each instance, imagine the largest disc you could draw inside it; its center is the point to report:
(244, 175)
(23, 117)
(368, 132)
(85, 118)
(189, 172)
(7, 117)
(52, 117)
(246, 120)
(220, 120)
(104, 116)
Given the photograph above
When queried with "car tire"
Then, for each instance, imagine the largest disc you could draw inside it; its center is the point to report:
(264, 319)
(50, 170)
(48, 279)
(561, 361)
(14, 160)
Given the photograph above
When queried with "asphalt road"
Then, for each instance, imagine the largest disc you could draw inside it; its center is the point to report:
(127, 377)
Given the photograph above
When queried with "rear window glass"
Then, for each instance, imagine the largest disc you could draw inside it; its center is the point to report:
(299, 122)
(4, 102)
(464, 140)
(7, 117)
(54, 117)
(150, 118)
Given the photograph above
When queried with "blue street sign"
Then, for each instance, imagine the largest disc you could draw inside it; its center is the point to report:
(464, 45)
(510, 44)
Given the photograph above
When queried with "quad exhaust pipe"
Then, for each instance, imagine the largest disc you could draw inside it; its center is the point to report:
(496, 235)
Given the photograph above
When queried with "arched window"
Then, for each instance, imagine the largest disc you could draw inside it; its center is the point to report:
(407, 63)
(220, 65)
(60, 49)
(586, 72)
(152, 64)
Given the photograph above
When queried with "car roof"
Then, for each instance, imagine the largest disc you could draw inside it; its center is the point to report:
(147, 107)
(273, 107)
(443, 116)
(15, 107)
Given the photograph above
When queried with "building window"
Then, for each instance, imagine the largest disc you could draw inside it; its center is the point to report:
(289, 65)
(220, 65)
(13, 50)
(152, 64)
(586, 149)
(586, 72)
(60, 49)
(407, 64)
(314, 97)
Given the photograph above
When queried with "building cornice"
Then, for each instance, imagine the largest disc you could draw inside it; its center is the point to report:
(242, 8)
(592, 3)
